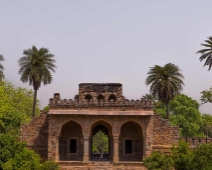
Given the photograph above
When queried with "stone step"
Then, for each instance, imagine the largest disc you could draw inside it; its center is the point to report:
(100, 168)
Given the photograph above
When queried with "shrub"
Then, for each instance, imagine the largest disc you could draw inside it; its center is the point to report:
(9, 147)
(201, 159)
(181, 155)
(25, 160)
(50, 165)
(158, 161)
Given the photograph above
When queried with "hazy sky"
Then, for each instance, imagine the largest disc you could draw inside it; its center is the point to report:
(110, 41)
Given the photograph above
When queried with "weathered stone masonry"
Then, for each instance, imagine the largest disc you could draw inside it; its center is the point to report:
(99, 104)
(36, 134)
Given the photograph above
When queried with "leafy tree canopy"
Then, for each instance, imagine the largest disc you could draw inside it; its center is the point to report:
(100, 143)
(184, 113)
(9, 147)
(206, 96)
(181, 157)
(27, 159)
(15, 107)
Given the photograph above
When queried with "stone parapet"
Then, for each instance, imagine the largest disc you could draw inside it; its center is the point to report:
(194, 142)
(123, 104)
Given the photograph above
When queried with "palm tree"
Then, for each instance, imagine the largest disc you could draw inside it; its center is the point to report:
(35, 67)
(1, 68)
(165, 83)
(148, 96)
(206, 54)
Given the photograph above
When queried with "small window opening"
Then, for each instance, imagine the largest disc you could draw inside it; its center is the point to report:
(88, 97)
(112, 97)
(128, 146)
(100, 98)
(73, 146)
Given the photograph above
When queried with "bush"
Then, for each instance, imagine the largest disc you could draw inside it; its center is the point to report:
(201, 159)
(50, 165)
(25, 160)
(180, 156)
(158, 161)
(9, 147)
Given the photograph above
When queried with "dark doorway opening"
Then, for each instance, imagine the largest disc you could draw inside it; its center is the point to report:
(128, 146)
(73, 146)
(100, 143)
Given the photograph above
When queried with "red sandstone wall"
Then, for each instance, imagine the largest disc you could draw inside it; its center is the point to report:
(36, 135)
(164, 135)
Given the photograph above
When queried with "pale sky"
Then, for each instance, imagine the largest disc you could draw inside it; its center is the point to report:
(110, 41)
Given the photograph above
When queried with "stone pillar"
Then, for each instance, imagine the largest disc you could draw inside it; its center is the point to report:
(86, 149)
(115, 149)
(57, 156)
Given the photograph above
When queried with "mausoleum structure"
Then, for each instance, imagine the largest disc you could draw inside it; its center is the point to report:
(65, 133)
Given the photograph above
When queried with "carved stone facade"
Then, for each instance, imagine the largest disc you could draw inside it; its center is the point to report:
(133, 130)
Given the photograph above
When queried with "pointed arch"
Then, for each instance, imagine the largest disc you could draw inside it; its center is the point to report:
(131, 142)
(88, 97)
(71, 142)
(112, 97)
(100, 98)
(104, 128)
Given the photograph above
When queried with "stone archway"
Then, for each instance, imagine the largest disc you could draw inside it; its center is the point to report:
(101, 131)
(71, 142)
(131, 142)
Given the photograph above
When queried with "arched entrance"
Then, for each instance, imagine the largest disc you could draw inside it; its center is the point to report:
(131, 142)
(71, 142)
(100, 141)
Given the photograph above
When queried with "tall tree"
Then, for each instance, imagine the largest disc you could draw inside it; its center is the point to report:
(35, 67)
(206, 53)
(100, 143)
(206, 124)
(1, 68)
(165, 83)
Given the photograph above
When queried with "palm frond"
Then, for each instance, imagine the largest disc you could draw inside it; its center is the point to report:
(36, 66)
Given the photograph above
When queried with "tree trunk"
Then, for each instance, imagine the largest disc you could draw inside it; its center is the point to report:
(34, 103)
(167, 110)
(101, 155)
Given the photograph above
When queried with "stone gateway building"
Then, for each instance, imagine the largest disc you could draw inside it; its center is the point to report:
(65, 133)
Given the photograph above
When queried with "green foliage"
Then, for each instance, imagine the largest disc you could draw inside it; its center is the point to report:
(160, 108)
(100, 143)
(185, 114)
(1, 68)
(206, 53)
(50, 165)
(206, 96)
(15, 107)
(158, 161)
(201, 158)
(35, 67)
(46, 108)
(9, 147)
(206, 125)
(181, 155)
(25, 160)
(165, 83)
